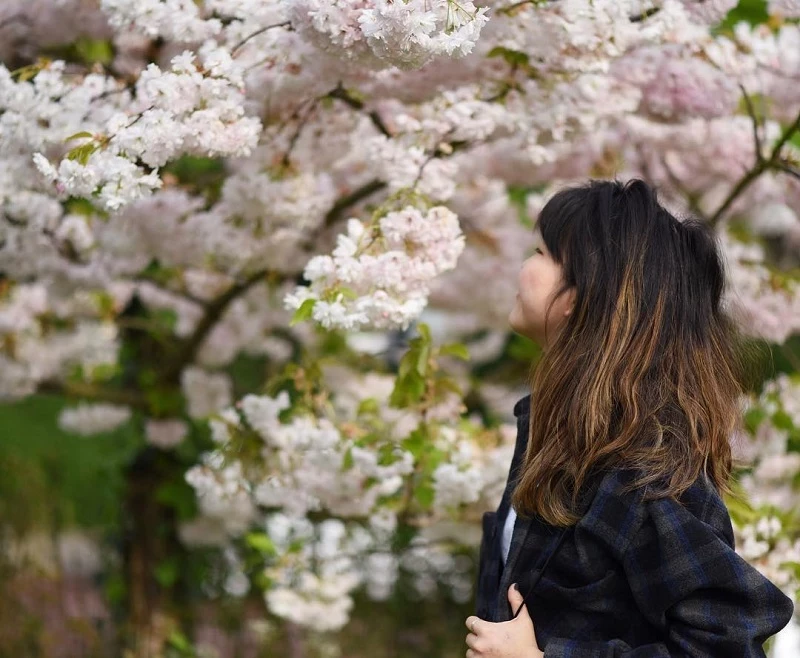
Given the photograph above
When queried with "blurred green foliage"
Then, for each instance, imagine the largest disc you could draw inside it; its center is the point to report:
(57, 477)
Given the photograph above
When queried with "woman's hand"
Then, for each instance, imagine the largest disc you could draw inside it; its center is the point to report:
(507, 639)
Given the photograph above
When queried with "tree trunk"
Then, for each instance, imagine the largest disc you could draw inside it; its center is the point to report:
(149, 542)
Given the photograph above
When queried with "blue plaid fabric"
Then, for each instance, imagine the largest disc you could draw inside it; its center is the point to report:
(633, 579)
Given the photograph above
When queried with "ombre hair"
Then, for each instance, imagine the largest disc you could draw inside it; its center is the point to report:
(646, 373)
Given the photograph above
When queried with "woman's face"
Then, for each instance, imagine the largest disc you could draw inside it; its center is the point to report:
(537, 283)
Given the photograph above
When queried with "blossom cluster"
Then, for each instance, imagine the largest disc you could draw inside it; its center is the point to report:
(377, 33)
(311, 464)
(379, 275)
(195, 107)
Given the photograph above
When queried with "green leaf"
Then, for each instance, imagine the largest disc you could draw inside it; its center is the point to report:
(83, 133)
(740, 510)
(178, 640)
(424, 332)
(368, 406)
(178, 495)
(407, 390)
(115, 589)
(164, 401)
(522, 349)
(303, 312)
(386, 455)
(458, 350)
(166, 572)
(79, 206)
(753, 418)
(83, 152)
(416, 443)
(31, 70)
(752, 11)
(166, 319)
(407, 363)
(348, 461)
(783, 421)
(103, 372)
(424, 495)
(95, 51)
(422, 360)
(262, 581)
(260, 542)
(513, 57)
(347, 293)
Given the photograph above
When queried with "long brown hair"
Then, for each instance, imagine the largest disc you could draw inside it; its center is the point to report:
(646, 372)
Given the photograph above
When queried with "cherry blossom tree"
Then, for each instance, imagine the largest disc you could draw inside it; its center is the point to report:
(302, 183)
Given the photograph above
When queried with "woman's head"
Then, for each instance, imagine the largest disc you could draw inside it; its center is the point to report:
(543, 302)
(640, 367)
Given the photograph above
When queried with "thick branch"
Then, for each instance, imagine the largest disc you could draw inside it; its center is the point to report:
(214, 312)
(338, 208)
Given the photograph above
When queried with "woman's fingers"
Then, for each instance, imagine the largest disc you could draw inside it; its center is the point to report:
(473, 623)
(472, 654)
(471, 641)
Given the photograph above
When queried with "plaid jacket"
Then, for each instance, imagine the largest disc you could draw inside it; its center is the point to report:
(631, 579)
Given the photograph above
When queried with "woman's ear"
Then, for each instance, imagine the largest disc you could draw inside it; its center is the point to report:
(570, 301)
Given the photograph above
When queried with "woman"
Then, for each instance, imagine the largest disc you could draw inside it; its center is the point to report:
(612, 527)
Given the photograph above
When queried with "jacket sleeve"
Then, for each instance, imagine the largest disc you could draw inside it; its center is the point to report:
(691, 585)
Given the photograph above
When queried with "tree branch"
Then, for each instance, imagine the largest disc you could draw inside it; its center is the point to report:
(773, 162)
(752, 112)
(787, 169)
(214, 312)
(286, 161)
(343, 95)
(338, 208)
(256, 33)
(510, 9)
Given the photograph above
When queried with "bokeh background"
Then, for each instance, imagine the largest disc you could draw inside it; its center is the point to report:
(146, 263)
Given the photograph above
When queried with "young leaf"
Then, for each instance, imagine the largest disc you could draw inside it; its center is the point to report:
(458, 350)
(261, 542)
(83, 133)
(304, 312)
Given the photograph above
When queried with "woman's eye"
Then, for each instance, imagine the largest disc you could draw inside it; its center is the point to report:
(537, 250)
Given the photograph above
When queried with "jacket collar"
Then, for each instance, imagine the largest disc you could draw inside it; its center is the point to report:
(523, 406)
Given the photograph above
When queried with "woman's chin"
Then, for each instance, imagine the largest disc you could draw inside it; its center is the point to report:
(514, 324)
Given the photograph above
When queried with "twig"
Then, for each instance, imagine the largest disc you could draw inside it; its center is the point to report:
(343, 95)
(643, 16)
(678, 185)
(787, 135)
(255, 34)
(751, 111)
(422, 169)
(300, 125)
(787, 169)
(516, 5)
(773, 162)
